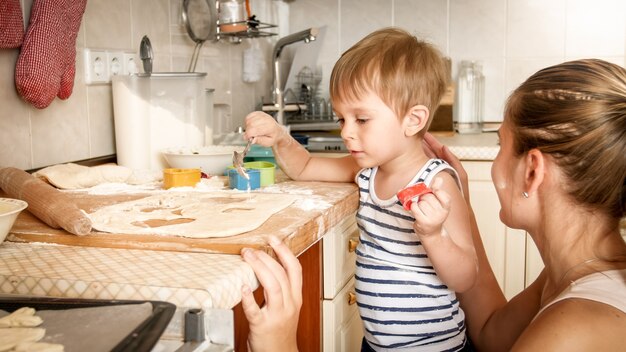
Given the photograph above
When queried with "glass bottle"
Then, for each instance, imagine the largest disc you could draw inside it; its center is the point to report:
(470, 94)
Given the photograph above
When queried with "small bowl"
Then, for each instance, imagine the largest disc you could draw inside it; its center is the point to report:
(236, 181)
(180, 177)
(267, 170)
(9, 210)
(211, 159)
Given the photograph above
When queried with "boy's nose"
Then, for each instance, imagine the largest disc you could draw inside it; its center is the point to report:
(347, 131)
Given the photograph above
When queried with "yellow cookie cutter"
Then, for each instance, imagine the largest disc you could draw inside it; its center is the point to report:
(180, 178)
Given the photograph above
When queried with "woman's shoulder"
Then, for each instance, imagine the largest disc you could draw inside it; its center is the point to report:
(565, 326)
(597, 300)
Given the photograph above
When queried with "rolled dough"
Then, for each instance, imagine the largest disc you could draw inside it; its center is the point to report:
(193, 214)
(74, 176)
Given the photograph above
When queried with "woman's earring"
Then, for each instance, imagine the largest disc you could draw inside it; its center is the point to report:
(525, 194)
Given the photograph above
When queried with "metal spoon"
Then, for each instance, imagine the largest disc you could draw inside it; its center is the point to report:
(238, 159)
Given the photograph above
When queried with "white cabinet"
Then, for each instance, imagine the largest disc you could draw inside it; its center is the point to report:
(512, 253)
(341, 325)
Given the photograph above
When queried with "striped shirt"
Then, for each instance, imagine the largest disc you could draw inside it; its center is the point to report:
(401, 300)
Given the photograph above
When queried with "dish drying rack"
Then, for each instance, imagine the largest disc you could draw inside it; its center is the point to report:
(254, 29)
(317, 112)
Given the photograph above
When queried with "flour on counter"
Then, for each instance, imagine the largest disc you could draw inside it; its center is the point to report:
(205, 185)
(286, 188)
(122, 188)
(312, 203)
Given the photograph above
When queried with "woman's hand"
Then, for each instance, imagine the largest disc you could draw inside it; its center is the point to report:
(435, 149)
(273, 327)
(264, 129)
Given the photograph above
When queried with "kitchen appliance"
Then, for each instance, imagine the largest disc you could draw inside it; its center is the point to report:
(325, 142)
(156, 111)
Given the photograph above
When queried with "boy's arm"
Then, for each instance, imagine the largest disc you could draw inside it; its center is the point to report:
(292, 157)
(442, 225)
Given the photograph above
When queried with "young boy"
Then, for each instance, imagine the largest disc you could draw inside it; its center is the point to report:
(384, 91)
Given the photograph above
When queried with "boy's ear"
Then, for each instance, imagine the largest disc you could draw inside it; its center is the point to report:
(416, 120)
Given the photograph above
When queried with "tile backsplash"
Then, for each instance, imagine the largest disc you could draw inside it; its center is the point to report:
(512, 38)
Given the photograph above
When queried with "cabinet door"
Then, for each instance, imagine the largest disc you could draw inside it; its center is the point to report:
(339, 255)
(343, 330)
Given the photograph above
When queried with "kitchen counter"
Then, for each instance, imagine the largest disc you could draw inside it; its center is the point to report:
(479, 147)
(188, 279)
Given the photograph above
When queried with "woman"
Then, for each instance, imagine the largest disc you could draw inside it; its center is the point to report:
(560, 175)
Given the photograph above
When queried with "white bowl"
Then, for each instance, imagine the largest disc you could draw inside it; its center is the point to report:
(211, 159)
(9, 210)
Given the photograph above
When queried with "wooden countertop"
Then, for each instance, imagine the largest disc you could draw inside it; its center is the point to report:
(54, 264)
(319, 206)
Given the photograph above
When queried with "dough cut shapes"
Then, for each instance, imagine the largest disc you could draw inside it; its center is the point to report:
(11, 337)
(24, 316)
(193, 214)
(38, 347)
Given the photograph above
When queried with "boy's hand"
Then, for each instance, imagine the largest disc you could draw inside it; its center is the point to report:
(264, 128)
(431, 211)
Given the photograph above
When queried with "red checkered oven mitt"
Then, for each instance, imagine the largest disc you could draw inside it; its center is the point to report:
(11, 24)
(46, 66)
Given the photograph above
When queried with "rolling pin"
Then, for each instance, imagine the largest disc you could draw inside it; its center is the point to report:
(44, 201)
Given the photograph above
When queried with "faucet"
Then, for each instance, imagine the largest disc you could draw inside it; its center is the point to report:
(306, 36)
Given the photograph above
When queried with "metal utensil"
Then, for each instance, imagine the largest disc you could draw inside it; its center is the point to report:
(200, 19)
(145, 54)
(238, 160)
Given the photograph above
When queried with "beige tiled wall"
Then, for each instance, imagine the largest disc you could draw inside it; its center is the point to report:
(512, 38)
(82, 126)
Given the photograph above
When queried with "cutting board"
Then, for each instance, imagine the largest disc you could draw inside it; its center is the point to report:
(298, 226)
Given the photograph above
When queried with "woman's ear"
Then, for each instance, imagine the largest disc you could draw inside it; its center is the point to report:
(535, 172)
(416, 120)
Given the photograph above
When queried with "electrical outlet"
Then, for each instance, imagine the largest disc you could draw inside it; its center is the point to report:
(115, 61)
(96, 67)
(130, 64)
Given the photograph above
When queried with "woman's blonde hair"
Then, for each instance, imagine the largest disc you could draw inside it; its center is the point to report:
(402, 70)
(576, 112)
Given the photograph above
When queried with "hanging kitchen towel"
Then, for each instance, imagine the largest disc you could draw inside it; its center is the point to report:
(47, 62)
(11, 24)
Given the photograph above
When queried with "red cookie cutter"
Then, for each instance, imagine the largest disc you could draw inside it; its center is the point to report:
(407, 195)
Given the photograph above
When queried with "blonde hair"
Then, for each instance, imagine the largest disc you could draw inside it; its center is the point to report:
(576, 112)
(402, 70)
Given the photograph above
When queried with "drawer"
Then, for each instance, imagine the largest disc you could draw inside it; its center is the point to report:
(339, 245)
(343, 330)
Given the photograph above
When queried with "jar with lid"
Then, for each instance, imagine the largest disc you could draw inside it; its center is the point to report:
(469, 101)
(232, 16)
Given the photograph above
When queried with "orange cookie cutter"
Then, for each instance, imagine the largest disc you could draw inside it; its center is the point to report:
(411, 193)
